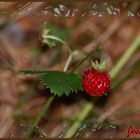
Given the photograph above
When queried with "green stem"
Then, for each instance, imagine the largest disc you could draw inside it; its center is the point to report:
(82, 115)
(89, 106)
(66, 45)
(39, 117)
(125, 57)
(68, 62)
(84, 59)
(59, 40)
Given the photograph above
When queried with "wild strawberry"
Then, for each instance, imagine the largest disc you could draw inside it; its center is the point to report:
(95, 82)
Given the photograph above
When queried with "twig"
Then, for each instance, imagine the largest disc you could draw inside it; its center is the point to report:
(105, 35)
(21, 9)
(39, 117)
(108, 113)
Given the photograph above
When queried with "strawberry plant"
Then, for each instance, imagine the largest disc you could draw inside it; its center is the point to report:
(94, 81)
(59, 82)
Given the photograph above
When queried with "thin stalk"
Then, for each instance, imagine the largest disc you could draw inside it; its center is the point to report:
(84, 59)
(66, 45)
(50, 100)
(68, 62)
(40, 116)
(59, 40)
(125, 57)
(82, 115)
(86, 110)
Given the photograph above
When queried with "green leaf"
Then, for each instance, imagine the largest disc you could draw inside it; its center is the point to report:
(53, 30)
(61, 83)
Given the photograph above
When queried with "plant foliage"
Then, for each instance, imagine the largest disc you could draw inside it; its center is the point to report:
(58, 82)
(53, 30)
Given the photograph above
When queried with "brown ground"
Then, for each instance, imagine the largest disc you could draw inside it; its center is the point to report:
(22, 97)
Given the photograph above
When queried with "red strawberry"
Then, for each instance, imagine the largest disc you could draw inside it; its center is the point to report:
(95, 82)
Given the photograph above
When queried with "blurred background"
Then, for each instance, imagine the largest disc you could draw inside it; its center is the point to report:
(112, 25)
